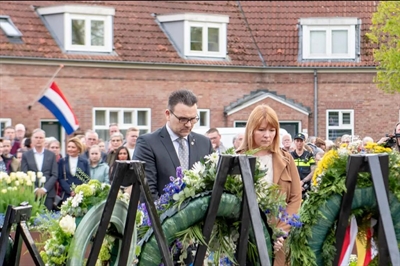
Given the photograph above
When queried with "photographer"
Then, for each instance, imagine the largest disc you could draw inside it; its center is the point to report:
(392, 141)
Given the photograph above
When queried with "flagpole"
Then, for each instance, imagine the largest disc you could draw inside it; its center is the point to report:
(46, 87)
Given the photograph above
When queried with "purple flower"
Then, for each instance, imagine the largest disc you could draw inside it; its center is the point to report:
(179, 172)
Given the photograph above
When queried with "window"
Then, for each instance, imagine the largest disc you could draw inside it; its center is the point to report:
(329, 38)
(124, 117)
(339, 122)
(80, 28)
(88, 32)
(239, 123)
(4, 122)
(197, 35)
(204, 121)
(9, 28)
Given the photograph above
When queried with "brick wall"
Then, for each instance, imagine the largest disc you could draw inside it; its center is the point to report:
(85, 88)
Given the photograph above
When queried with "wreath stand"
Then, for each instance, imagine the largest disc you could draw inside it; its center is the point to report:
(378, 166)
(18, 215)
(132, 173)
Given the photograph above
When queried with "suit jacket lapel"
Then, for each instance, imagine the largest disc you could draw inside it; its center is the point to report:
(192, 150)
(32, 159)
(169, 146)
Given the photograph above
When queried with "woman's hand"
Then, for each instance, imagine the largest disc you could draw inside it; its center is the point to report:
(278, 244)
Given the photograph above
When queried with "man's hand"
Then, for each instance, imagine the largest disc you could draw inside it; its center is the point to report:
(278, 244)
(40, 192)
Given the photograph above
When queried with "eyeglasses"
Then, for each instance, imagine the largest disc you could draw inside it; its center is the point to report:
(185, 120)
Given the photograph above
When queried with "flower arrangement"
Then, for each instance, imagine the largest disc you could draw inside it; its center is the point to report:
(19, 187)
(59, 232)
(328, 186)
(199, 180)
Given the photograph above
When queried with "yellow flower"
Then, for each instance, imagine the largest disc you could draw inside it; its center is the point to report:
(4, 191)
(17, 183)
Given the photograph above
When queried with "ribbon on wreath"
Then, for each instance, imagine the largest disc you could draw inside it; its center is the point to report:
(366, 249)
(349, 241)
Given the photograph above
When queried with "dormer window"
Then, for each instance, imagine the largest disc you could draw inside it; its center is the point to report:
(10, 30)
(197, 35)
(329, 38)
(81, 28)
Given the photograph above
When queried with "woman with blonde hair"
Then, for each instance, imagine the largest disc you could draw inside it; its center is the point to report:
(262, 137)
(73, 169)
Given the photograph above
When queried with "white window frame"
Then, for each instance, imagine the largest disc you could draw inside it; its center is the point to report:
(205, 25)
(207, 123)
(108, 40)
(10, 30)
(341, 126)
(121, 125)
(328, 25)
(7, 121)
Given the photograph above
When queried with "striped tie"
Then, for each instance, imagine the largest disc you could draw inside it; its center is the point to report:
(183, 153)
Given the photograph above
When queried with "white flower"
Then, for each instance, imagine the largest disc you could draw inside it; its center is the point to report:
(33, 176)
(198, 168)
(77, 199)
(39, 174)
(67, 224)
(213, 157)
(42, 180)
(17, 183)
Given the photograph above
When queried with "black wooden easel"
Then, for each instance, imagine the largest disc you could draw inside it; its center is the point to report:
(18, 215)
(132, 173)
(378, 166)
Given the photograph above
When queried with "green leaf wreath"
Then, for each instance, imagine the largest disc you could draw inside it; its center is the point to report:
(319, 212)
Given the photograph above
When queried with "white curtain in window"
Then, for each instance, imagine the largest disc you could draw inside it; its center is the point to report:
(317, 42)
(339, 42)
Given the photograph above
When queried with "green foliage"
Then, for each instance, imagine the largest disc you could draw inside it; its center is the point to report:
(385, 32)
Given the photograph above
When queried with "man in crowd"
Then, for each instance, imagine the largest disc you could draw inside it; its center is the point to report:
(237, 140)
(9, 133)
(38, 159)
(215, 137)
(131, 136)
(286, 142)
(92, 138)
(113, 128)
(304, 160)
(19, 132)
(174, 144)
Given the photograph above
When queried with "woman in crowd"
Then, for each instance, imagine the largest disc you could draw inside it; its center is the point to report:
(98, 169)
(73, 169)
(121, 154)
(262, 136)
(54, 146)
(3, 167)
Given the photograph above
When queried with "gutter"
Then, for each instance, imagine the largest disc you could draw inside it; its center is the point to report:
(315, 103)
(178, 66)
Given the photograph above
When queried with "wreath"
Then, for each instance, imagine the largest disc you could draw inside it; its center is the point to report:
(183, 207)
(68, 236)
(314, 243)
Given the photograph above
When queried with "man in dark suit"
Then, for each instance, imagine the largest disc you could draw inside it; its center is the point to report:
(39, 159)
(174, 144)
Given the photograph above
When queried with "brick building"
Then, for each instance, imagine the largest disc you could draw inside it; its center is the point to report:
(309, 60)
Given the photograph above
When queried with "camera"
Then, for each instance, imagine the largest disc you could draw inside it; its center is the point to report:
(391, 141)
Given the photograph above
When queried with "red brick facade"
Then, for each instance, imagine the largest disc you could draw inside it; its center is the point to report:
(375, 112)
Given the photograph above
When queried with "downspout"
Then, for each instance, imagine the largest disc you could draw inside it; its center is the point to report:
(315, 103)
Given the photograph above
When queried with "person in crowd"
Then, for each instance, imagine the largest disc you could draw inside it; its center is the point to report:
(320, 143)
(215, 137)
(131, 136)
(345, 139)
(286, 142)
(329, 144)
(116, 141)
(26, 144)
(102, 146)
(20, 132)
(38, 159)
(47, 142)
(113, 129)
(262, 136)
(304, 160)
(237, 140)
(174, 144)
(92, 138)
(3, 167)
(9, 133)
(396, 133)
(99, 170)
(12, 164)
(121, 154)
(54, 146)
(19, 155)
(73, 169)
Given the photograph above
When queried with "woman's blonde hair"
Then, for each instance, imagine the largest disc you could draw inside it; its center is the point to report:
(78, 143)
(257, 116)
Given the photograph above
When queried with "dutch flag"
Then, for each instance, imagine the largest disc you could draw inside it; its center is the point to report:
(54, 100)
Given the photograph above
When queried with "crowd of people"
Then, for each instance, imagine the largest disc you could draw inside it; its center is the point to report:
(290, 162)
